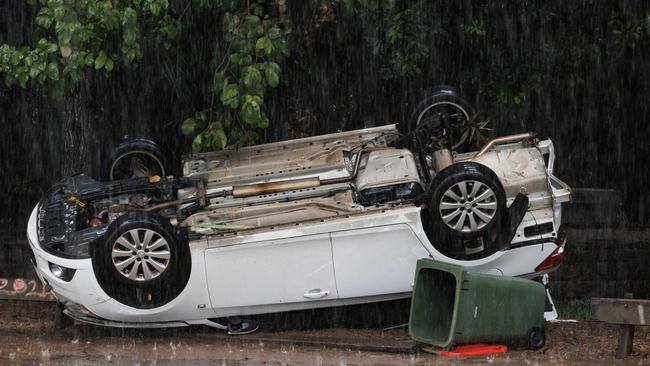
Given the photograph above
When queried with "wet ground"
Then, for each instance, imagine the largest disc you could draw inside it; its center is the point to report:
(27, 337)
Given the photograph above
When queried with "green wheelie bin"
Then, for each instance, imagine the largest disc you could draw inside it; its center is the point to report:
(452, 306)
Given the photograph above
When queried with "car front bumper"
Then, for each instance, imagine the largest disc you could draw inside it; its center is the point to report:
(85, 300)
(83, 278)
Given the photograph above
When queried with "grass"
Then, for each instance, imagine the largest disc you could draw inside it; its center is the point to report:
(577, 309)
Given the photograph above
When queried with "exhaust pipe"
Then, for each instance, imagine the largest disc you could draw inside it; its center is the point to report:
(275, 187)
(505, 140)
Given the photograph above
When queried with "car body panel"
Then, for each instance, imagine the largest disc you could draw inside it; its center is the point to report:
(376, 260)
(520, 169)
(287, 270)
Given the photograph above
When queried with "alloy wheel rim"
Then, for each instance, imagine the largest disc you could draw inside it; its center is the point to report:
(141, 254)
(468, 206)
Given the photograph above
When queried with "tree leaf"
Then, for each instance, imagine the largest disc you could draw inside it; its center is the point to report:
(230, 22)
(240, 59)
(44, 20)
(66, 51)
(274, 33)
(235, 58)
(34, 71)
(272, 77)
(282, 46)
(188, 126)
(100, 61)
(253, 79)
(218, 82)
(264, 44)
(197, 144)
(22, 79)
(253, 19)
(214, 138)
(230, 96)
(264, 121)
(64, 35)
(109, 65)
(200, 116)
(251, 111)
(89, 59)
(221, 139)
(53, 71)
(273, 66)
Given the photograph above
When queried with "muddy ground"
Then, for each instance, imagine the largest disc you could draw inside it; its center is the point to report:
(27, 337)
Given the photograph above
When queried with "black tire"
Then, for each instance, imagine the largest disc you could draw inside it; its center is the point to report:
(442, 115)
(536, 338)
(475, 236)
(136, 158)
(142, 282)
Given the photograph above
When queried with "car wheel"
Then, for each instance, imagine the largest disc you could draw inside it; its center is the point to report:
(536, 338)
(467, 211)
(440, 119)
(140, 261)
(136, 158)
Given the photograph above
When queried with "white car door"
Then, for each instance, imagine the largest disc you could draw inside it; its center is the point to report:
(376, 261)
(273, 272)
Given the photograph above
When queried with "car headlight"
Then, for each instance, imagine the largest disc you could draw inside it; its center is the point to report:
(61, 272)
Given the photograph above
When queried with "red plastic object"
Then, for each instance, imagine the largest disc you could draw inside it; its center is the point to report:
(472, 350)
(553, 260)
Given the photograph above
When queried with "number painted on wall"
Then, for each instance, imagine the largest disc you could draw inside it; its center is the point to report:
(24, 289)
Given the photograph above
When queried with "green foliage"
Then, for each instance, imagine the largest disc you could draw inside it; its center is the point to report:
(475, 28)
(628, 33)
(213, 136)
(272, 73)
(250, 66)
(24, 64)
(402, 35)
(576, 309)
(84, 35)
(230, 95)
(407, 46)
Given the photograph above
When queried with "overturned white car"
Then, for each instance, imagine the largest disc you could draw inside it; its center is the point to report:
(316, 222)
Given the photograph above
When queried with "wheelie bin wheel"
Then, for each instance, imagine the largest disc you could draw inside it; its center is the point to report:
(536, 338)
